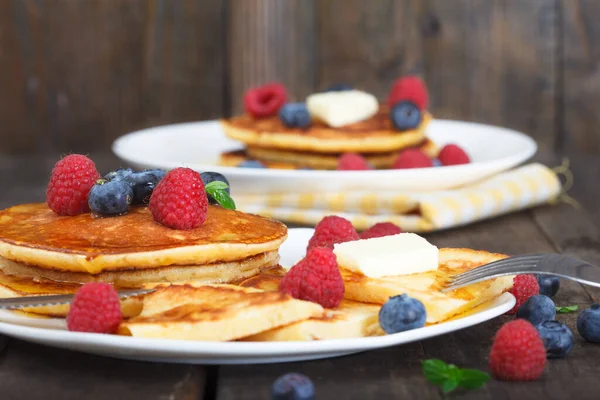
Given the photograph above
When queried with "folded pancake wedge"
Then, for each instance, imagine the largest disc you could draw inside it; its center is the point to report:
(223, 272)
(374, 135)
(215, 313)
(426, 287)
(35, 235)
(18, 286)
(349, 320)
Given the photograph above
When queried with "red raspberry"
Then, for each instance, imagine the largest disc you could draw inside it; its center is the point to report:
(524, 286)
(381, 229)
(331, 230)
(179, 200)
(409, 88)
(451, 154)
(315, 278)
(266, 100)
(352, 162)
(518, 353)
(95, 308)
(70, 183)
(412, 158)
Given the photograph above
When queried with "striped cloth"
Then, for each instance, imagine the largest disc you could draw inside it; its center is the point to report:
(513, 190)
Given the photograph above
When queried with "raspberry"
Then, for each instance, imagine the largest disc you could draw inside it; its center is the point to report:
(70, 183)
(452, 154)
(95, 308)
(266, 100)
(179, 200)
(331, 230)
(412, 158)
(409, 88)
(381, 229)
(352, 162)
(524, 286)
(315, 278)
(518, 352)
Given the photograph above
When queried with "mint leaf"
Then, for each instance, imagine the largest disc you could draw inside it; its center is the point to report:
(449, 376)
(567, 309)
(472, 378)
(216, 185)
(223, 198)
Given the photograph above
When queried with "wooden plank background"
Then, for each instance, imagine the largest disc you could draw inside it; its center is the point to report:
(74, 75)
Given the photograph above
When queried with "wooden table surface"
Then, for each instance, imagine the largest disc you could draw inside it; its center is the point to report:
(35, 372)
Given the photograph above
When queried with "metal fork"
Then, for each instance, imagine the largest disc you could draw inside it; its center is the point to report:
(550, 264)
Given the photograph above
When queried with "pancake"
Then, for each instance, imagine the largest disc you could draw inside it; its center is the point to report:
(222, 272)
(35, 235)
(20, 286)
(426, 287)
(215, 313)
(330, 161)
(350, 319)
(374, 135)
(235, 157)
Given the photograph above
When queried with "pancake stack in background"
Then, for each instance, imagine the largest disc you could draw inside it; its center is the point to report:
(315, 134)
(42, 252)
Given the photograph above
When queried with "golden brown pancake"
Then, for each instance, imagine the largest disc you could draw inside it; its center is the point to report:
(35, 235)
(223, 272)
(374, 135)
(215, 313)
(20, 286)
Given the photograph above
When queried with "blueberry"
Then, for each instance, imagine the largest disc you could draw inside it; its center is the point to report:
(208, 177)
(436, 162)
(537, 309)
(110, 197)
(295, 115)
(118, 173)
(549, 284)
(405, 115)
(588, 323)
(402, 313)
(251, 164)
(557, 338)
(143, 184)
(293, 386)
(339, 87)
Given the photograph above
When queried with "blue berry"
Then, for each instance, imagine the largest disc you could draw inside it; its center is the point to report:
(405, 115)
(118, 174)
(110, 197)
(143, 184)
(339, 87)
(208, 177)
(436, 162)
(588, 323)
(537, 309)
(557, 338)
(549, 284)
(251, 164)
(293, 386)
(295, 115)
(402, 313)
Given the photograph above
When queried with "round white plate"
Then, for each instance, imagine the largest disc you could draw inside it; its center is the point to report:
(52, 332)
(198, 145)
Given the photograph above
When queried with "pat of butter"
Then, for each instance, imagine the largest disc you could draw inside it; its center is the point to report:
(401, 254)
(342, 108)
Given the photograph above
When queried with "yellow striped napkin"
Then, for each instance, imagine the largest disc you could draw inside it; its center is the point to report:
(513, 190)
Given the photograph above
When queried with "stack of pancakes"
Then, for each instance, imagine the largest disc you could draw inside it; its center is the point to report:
(319, 146)
(44, 253)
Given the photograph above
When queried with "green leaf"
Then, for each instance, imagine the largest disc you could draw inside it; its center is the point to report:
(222, 197)
(449, 376)
(567, 309)
(216, 185)
(472, 378)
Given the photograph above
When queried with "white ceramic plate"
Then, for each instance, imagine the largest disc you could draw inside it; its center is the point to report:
(198, 145)
(51, 332)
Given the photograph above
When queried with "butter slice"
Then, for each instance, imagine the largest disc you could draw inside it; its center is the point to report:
(342, 108)
(401, 254)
